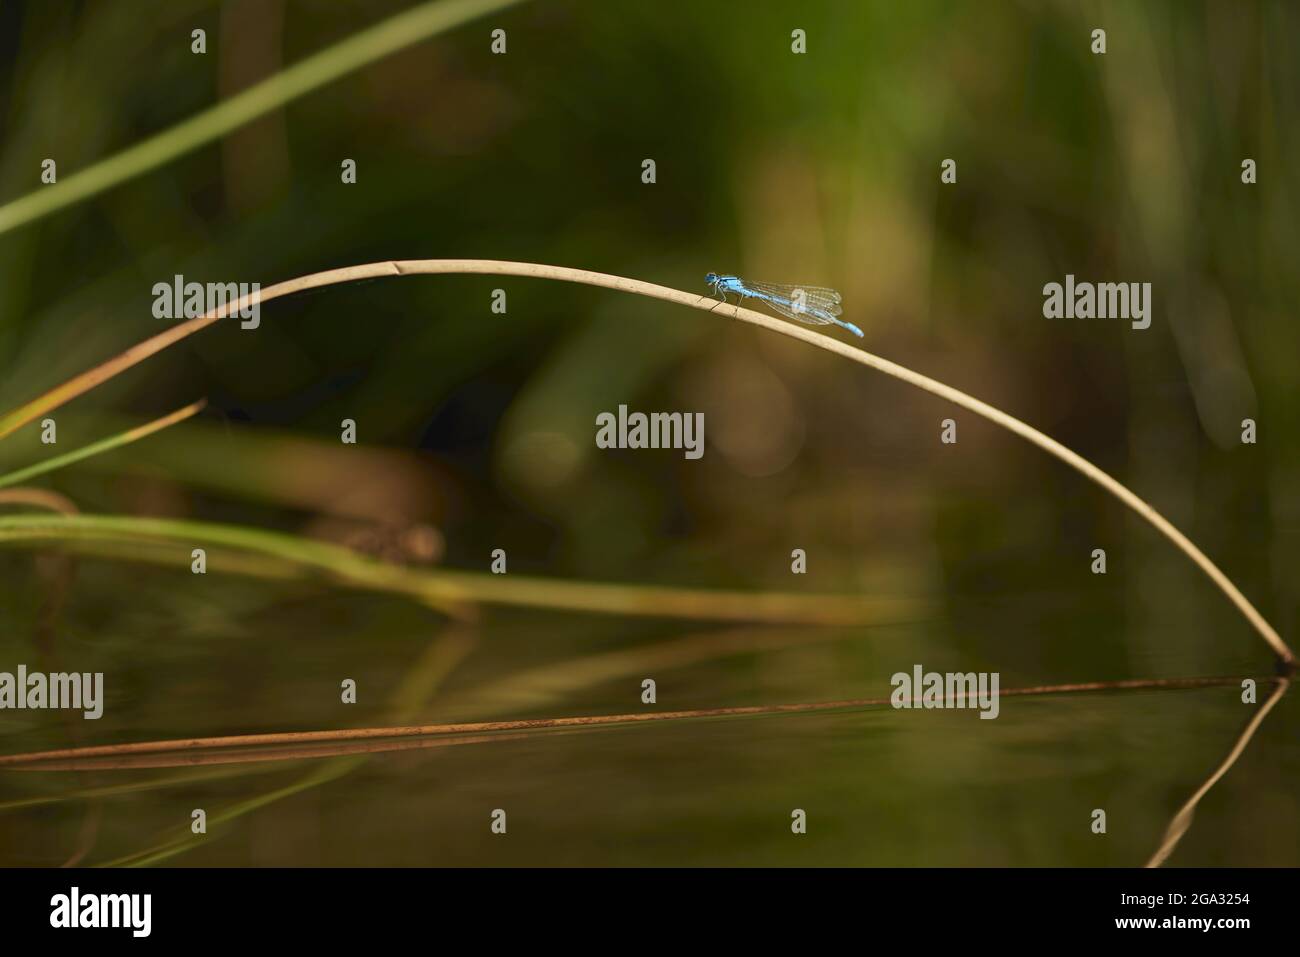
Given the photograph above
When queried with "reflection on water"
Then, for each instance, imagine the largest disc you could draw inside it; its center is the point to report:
(1183, 819)
(880, 787)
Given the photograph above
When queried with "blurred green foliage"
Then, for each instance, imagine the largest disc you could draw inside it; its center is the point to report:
(822, 167)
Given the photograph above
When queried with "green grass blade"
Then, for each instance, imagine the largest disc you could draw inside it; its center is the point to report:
(447, 589)
(104, 445)
(315, 71)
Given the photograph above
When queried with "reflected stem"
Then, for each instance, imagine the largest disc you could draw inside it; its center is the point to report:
(1183, 819)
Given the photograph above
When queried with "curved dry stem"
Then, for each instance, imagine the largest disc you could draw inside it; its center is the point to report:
(88, 380)
(1183, 819)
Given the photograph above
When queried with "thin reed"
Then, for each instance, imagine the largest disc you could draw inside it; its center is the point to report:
(138, 353)
(367, 46)
(267, 746)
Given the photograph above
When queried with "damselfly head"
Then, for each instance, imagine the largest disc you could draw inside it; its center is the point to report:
(711, 278)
